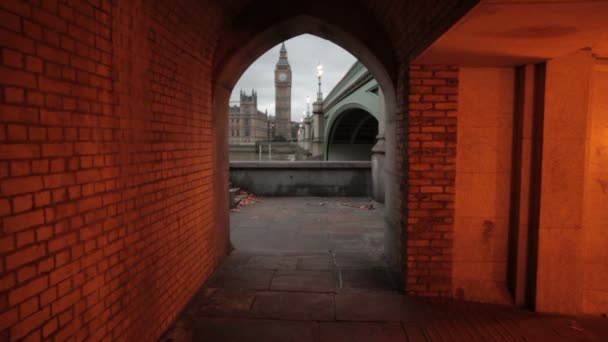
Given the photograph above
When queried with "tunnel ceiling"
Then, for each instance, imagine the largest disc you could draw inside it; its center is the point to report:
(488, 35)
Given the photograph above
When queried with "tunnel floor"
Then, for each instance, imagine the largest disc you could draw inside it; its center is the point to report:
(312, 269)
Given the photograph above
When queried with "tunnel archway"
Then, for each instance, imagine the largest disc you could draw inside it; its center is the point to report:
(236, 56)
(352, 135)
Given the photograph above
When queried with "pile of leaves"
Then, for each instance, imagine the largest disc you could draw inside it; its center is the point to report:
(249, 198)
(246, 198)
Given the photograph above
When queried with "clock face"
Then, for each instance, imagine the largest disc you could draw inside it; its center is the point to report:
(282, 76)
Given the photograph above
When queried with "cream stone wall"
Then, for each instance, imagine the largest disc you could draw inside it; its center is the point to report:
(572, 267)
(565, 142)
(483, 166)
(573, 247)
(595, 210)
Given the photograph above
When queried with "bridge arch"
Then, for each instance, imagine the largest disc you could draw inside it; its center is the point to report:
(352, 134)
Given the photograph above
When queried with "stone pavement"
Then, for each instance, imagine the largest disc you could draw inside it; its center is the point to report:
(311, 269)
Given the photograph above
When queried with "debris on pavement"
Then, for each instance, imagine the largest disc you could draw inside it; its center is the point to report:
(245, 198)
(320, 204)
(576, 327)
(368, 206)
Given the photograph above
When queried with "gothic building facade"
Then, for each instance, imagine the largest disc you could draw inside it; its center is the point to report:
(246, 123)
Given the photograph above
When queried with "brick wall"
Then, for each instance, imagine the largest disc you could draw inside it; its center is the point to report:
(108, 163)
(106, 192)
(431, 165)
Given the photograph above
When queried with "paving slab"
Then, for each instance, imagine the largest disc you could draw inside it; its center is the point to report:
(304, 281)
(303, 224)
(241, 330)
(358, 260)
(361, 332)
(271, 262)
(413, 333)
(375, 279)
(224, 302)
(294, 306)
(242, 279)
(371, 306)
(312, 269)
(316, 263)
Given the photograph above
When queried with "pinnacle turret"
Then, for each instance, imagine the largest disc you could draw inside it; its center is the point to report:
(283, 55)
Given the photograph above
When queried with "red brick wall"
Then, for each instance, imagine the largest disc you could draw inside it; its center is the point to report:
(106, 194)
(431, 176)
(107, 217)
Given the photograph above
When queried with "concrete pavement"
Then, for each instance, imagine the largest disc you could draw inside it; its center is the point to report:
(311, 269)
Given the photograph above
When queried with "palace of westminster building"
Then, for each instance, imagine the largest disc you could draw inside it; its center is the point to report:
(248, 125)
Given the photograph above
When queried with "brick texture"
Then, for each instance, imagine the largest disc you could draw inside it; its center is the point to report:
(106, 194)
(107, 158)
(431, 165)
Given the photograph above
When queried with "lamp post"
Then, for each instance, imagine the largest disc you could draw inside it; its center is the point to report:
(307, 106)
(317, 125)
(319, 74)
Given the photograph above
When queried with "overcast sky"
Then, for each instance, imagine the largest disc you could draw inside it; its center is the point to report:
(304, 53)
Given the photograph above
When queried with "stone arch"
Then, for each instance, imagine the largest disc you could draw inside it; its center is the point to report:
(347, 107)
(237, 51)
(338, 119)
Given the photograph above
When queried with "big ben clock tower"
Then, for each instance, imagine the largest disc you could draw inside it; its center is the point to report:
(282, 82)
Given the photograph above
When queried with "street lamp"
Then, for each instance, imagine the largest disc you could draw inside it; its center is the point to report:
(307, 106)
(319, 74)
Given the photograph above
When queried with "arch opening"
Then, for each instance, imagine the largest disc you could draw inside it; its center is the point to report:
(352, 136)
(236, 58)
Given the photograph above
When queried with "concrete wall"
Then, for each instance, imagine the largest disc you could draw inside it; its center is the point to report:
(483, 171)
(570, 274)
(278, 151)
(595, 210)
(303, 178)
(564, 150)
(573, 215)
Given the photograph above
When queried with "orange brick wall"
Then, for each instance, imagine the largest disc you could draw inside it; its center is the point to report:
(431, 165)
(108, 165)
(106, 177)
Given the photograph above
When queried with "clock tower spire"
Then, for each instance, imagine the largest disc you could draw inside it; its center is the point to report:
(282, 83)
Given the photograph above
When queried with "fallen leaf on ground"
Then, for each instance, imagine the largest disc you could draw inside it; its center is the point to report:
(249, 198)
